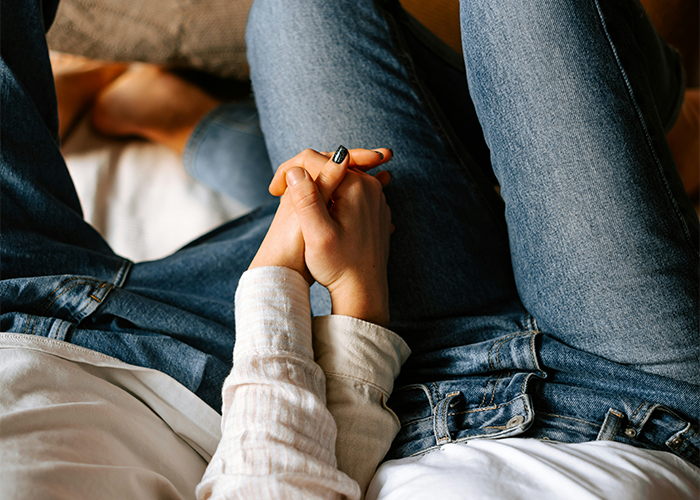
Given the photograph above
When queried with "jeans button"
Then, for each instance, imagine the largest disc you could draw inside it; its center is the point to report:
(630, 432)
(515, 421)
(675, 442)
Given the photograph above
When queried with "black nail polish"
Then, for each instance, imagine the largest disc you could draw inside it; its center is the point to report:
(381, 155)
(391, 151)
(340, 154)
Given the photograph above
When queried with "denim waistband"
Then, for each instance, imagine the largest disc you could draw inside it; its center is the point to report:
(530, 385)
(104, 317)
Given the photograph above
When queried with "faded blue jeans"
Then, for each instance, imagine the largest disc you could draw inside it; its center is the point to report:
(568, 313)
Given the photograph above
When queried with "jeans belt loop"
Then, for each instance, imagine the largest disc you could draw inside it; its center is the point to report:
(612, 423)
(440, 413)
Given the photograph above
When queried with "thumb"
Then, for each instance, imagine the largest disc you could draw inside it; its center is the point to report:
(307, 201)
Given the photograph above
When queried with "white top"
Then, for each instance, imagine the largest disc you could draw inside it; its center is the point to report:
(528, 469)
(77, 424)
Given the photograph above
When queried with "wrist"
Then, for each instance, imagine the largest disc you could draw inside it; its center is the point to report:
(368, 303)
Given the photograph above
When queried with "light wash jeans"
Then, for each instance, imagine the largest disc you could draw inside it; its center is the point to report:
(572, 317)
(571, 312)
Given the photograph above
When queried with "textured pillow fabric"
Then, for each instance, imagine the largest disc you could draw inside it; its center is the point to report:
(203, 34)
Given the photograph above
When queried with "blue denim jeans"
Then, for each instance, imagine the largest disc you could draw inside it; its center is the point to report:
(227, 153)
(61, 280)
(569, 312)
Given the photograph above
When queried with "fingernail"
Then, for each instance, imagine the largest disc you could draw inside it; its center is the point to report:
(340, 154)
(295, 175)
(381, 155)
(391, 151)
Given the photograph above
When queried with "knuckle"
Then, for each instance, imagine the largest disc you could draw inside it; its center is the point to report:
(326, 241)
(373, 182)
(355, 188)
(308, 154)
(375, 187)
(326, 174)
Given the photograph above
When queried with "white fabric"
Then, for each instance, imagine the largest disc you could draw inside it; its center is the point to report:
(138, 195)
(528, 469)
(77, 424)
(360, 369)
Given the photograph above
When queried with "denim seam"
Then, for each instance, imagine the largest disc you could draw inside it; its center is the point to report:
(422, 387)
(413, 422)
(532, 323)
(525, 381)
(427, 393)
(42, 309)
(490, 427)
(488, 408)
(477, 436)
(59, 330)
(486, 391)
(618, 421)
(533, 352)
(646, 415)
(122, 273)
(424, 451)
(498, 349)
(117, 280)
(510, 337)
(650, 145)
(499, 343)
(81, 283)
(437, 391)
(447, 138)
(568, 418)
(440, 426)
(89, 304)
(636, 411)
(436, 424)
(495, 385)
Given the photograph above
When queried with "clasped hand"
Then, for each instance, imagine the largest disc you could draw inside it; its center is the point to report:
(333, 226)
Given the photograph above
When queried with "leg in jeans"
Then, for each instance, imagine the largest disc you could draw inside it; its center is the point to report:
(60, 278)
(336, 72)
(575, 99)
(327, 73)
(43, 231)
(227, 152)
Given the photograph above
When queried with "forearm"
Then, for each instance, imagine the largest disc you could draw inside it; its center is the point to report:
(278, 437)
